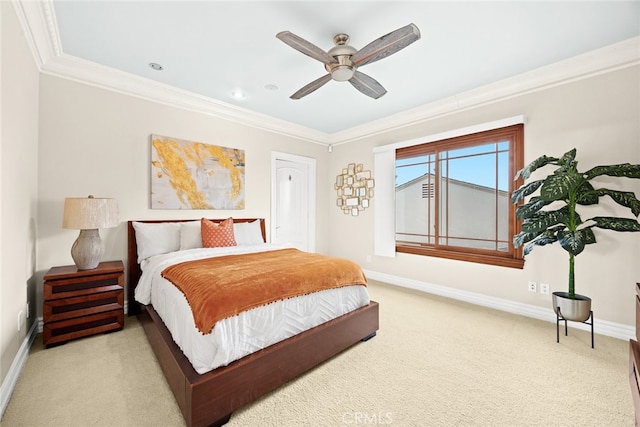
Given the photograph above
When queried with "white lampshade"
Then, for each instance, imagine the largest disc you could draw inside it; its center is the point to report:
(86, 213)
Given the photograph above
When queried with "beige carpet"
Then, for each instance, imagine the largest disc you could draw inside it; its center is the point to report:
(434, 362)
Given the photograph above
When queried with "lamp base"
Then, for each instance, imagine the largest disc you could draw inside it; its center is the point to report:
(87, 250)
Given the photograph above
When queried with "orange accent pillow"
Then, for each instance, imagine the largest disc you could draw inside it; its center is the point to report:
(217, 235)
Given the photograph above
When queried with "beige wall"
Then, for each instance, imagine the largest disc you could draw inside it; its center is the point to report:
(600, 116)
(18, 180)
(94, 141)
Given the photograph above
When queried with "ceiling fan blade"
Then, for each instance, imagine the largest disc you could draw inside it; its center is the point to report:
(306, 90)
(367, 85)
(309, 49)
(386, 45)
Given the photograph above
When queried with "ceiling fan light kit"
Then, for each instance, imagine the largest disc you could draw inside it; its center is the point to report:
(343, 69)
(343, 60)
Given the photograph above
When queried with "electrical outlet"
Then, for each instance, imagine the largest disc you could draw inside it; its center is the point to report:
(19, 320)
(533, 287)
(544, 288)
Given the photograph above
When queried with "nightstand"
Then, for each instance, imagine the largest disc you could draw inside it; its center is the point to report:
(79, 303)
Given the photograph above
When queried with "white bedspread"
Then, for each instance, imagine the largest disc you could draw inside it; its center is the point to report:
(237, 336)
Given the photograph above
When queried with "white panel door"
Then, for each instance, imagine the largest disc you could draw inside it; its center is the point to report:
(292, 212)
(293, 201)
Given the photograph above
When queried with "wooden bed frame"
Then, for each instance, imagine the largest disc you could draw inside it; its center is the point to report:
(211, 398)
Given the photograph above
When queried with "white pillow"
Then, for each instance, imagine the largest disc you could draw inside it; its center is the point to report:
(190, 235)
(156, 238)
(248, 233)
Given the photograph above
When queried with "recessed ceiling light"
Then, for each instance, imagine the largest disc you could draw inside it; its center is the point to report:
(238, 94)
(156, 66)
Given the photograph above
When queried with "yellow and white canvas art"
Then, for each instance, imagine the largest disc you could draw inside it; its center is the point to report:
(194, 175)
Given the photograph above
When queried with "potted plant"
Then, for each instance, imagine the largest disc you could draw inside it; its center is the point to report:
(552, 216)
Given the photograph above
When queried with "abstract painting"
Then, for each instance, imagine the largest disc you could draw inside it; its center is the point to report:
(194, 175)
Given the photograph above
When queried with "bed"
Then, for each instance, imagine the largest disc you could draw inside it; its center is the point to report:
(211, 397)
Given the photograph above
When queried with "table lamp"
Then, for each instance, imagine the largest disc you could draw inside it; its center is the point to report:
(88, 215)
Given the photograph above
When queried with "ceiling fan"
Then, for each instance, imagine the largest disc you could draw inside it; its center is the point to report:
(342, 61)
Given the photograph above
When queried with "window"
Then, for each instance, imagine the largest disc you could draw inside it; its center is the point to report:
(453, 197)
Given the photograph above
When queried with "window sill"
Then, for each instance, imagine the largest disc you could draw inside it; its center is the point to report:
(501, 261)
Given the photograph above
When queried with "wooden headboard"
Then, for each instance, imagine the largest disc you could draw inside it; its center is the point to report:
(133, 268)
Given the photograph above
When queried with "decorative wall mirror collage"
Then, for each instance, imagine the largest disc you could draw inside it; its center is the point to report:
(354, 187)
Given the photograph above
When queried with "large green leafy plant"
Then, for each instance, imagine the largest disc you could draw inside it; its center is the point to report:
(565, 190)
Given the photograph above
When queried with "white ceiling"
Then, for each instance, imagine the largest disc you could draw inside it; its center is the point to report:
(212, 48)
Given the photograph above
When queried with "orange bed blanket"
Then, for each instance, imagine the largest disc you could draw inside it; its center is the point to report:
(221, 287)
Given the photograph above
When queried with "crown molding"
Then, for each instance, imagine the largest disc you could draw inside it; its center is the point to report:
(37, 18)
(607, 59)
(91, 73)
(40, 27)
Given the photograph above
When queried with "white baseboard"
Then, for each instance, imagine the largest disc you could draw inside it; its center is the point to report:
(603, 327)
(10, 381)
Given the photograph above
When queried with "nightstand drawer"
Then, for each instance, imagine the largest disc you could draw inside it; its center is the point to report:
(82, 326)
(74, 287)
(68, 308)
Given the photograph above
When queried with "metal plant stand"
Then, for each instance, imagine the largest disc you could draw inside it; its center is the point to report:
(559, 318)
